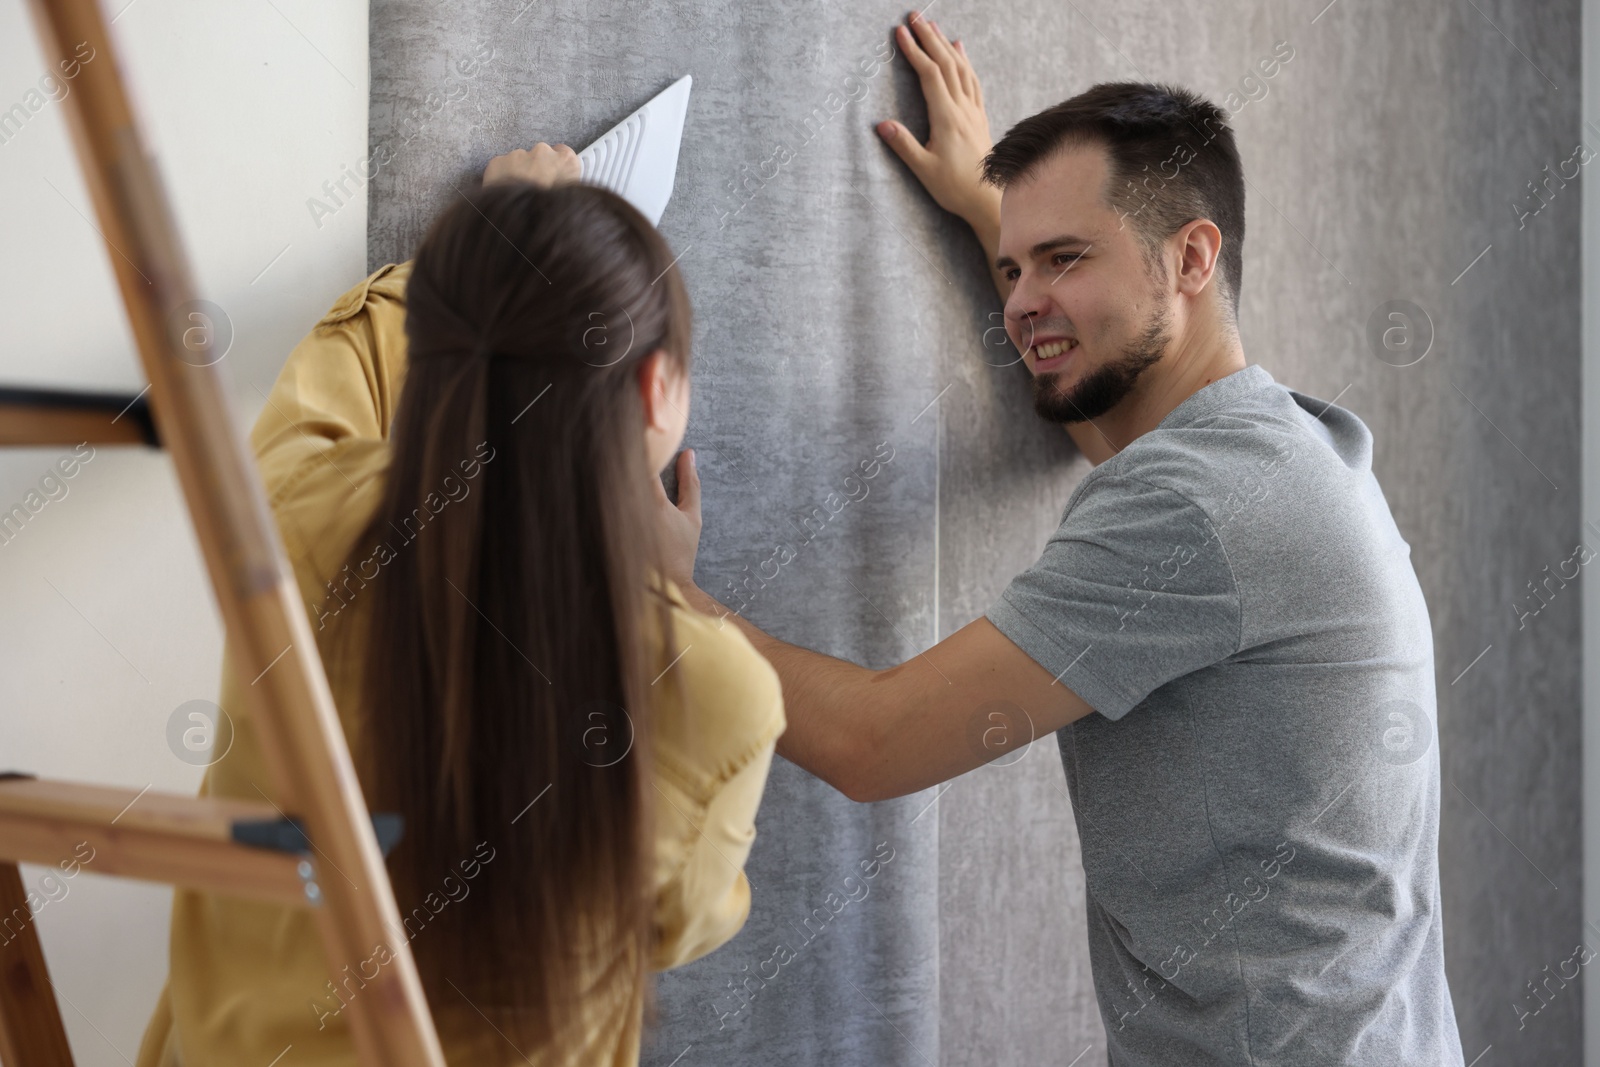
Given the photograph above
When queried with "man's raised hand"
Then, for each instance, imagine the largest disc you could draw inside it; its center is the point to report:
(678, 525)
(949, 165)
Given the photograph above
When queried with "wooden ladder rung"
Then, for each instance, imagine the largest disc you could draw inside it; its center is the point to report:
(159, 837)
(61, 417)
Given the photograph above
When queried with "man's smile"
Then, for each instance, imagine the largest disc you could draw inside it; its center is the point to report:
(1051, 355)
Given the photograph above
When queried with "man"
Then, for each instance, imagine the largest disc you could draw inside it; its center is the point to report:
(1225, 633)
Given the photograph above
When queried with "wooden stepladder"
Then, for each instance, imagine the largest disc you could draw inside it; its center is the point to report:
(217, 845)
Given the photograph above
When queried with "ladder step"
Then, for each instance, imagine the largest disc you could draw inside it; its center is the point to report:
(159, 837)
(61, 417)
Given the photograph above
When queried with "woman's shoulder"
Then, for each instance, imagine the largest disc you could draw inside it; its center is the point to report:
(321, 442)
(387, 283)
(732, 700)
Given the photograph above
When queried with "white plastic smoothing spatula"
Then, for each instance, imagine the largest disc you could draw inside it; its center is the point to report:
(638, 158)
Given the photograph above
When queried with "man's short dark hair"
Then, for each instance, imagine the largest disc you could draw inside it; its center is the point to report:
(1172, 160)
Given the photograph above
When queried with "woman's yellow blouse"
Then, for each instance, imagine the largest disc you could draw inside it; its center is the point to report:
(247, 981)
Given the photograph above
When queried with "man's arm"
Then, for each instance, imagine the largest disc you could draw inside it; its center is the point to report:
(949, 166)
(975, 696)
(874, 735)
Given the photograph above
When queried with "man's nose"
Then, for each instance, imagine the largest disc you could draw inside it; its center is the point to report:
(1025, 305)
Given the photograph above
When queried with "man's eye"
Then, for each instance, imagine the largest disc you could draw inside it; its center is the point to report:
(1069, 258)
(1011, 275)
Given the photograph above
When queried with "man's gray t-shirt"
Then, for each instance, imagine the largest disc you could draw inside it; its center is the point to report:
(1258, 795)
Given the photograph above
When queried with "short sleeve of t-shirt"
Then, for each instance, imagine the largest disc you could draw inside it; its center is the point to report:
(1133, 590)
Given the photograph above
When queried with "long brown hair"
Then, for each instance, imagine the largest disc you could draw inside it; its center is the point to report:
(506, 679)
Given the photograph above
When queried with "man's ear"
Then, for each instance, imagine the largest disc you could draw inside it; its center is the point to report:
(1201, 251)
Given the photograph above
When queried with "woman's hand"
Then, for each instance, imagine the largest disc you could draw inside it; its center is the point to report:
(949, 165)
(678, 525)
(543, 165)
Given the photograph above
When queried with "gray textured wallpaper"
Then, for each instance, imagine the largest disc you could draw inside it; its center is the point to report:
(841, 314)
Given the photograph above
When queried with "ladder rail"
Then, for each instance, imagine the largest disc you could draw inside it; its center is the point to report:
(35, 1035)
(269, 636)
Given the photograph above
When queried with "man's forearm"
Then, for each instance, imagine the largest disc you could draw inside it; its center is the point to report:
(986, 227)
(824, 701)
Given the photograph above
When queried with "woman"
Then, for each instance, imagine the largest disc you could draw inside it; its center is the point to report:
(463, 462)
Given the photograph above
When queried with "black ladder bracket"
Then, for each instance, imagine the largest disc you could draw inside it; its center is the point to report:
(287, 834)
(134, 407)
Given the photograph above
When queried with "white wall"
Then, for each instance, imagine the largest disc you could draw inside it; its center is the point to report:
(108, 623)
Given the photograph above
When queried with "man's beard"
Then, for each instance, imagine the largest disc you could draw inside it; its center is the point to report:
(1104, 388)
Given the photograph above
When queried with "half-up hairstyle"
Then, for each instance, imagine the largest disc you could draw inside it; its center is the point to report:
(506, 678)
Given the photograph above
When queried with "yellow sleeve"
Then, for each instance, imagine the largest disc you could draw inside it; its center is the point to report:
(709, 900)
(713, 753)
(342, 382)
